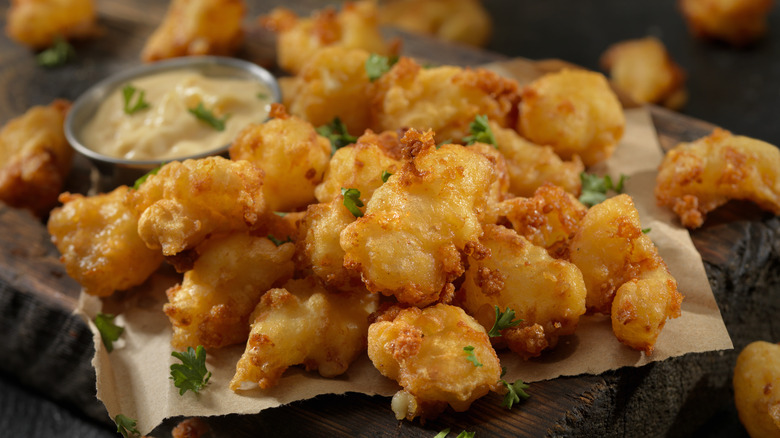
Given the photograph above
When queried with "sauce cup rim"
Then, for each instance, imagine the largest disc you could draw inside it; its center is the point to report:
(85, 105)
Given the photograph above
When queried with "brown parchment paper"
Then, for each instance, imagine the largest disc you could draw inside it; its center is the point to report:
(134, 379)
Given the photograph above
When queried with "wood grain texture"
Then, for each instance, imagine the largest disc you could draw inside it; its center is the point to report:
(49, 349)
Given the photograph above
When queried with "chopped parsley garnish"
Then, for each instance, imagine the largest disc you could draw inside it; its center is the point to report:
(143, 179)
(377, 65)
(278, 242)
(646, 230)
(352, 201)
(58, 54)
(515, 391)
(386, 175)
(128, 91)
(109, 332)
(503, 321)
(480, 132)
(463, 434)
(208, 117)
(470, 356)
(595, 188)
(191, 374)
(280, 213)
(336, 132)
(126, 426)
(262, 96)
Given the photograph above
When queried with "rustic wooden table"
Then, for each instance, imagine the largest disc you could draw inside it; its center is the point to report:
(48, 385)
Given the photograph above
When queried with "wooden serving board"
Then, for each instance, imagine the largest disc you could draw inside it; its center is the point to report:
(49, 349)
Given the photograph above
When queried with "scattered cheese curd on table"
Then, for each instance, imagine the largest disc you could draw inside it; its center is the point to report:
(737, 22)
(39, 23)
(461, 21)
(197, 27)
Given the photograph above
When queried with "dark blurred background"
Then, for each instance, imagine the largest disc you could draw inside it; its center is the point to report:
(736, 89)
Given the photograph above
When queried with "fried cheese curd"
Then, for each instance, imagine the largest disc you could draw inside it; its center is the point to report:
(461, 21)
(531, 165)
(292, 156)
(302, 323)
(360, 166)
(334, 83)
(187, 201)
(97, 237)
(433, 354)
(418, 225)
(35, 158)
(546, 293)
(643, 69)
(737, 22)
(698, 177)
(445, 99)
(757, 389)
(548, 219)
(197, 27)
(212, 304)
(298, 39)
(38, 23)
(624, 274)
(575, 112)
(318, 244)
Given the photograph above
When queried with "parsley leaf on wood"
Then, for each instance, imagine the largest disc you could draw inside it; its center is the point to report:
(504, 320)
(109, 332)
(443, 433)
(126, 426)
(465, 434)
(595, 188)
(58, 54)
(208, 117)
(336, 132)
(128, 91)
(480, 132)
(191, 374)
(514, 391)
(352, 201)
(470, 356)
(377, 65)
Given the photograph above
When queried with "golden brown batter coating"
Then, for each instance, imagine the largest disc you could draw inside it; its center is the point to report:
(575, 112)
(757, 389)
(185, 202)
(360, 166)
(302, 323)
(738, 22)
(298, 39)
(445, 99)
(98, 239)
(334, 83)
(531, 165)
(698, 177)
(197, 27)
(292, 156)
(548, 219)
(643, 69)
(547, 294)
(35, 158)
(37, 23)
(426, 352)
(420, 222)
(462, 21)
(624, 274)
(211, 306)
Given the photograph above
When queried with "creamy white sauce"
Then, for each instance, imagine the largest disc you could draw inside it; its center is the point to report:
(167, 129)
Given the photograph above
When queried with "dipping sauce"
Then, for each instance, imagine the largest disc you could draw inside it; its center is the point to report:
(167, 129)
